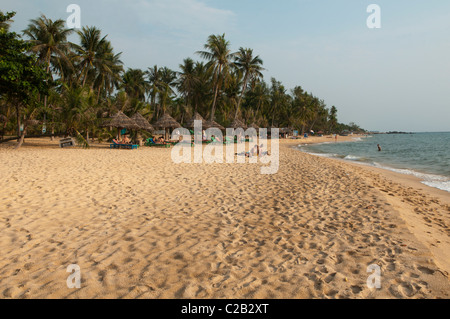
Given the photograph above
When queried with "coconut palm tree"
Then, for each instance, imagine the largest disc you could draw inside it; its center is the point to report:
(6, 24)
(134, 84)
(168, 78)
(91, 53)
(109, 71)
(49, 40)
(201, 95)
(251, 67)
(154, 80)
(220, 59)
(187, 81)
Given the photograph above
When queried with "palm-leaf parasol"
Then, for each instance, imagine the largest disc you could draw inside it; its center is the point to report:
(196, 117)
(214, 124)
(142, 122)
(238, 124)
(120, 121)
(167, 122)
(253, 125)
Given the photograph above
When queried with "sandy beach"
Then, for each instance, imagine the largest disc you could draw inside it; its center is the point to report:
(140, 226)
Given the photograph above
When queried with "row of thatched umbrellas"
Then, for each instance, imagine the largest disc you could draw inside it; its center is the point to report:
(166, 122)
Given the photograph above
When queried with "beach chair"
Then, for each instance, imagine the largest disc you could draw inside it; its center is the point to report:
(151, 143)
(115, 145)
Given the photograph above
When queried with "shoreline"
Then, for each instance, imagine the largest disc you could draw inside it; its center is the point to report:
(414, 191)
(389, 171)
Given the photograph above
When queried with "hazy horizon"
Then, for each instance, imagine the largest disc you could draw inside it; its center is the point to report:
(396, 78)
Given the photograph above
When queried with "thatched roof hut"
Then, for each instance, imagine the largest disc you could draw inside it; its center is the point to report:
(120, 120)
(214, 124)
(238, 124)
(142, 122)
(166, 121)
(196, 117)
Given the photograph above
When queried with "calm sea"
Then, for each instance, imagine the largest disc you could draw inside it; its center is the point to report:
(424, 155)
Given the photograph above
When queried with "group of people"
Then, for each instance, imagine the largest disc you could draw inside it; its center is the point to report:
(125, 140)
(255, 151)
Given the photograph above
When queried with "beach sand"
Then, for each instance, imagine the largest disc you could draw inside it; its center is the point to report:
(140, 226)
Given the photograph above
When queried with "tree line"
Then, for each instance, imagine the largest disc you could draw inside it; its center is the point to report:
(73, 87)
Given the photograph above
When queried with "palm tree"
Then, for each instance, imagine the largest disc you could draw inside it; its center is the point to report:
(201, 95)
(91, 52)
(154, 80)
(135, 85)
(220, 59)
(49, 40)
(251, 67)
(168, 78)
(187, 81)
(109, 71)
(6, 24)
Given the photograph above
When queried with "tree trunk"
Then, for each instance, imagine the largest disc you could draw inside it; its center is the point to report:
(240, 98)
(22, 138)
(18, 119)
(213, 108)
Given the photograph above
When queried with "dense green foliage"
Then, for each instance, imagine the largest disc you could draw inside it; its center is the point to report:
(88, 83)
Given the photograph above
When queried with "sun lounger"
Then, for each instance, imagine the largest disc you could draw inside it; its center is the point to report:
(151, 143)
(124, 146)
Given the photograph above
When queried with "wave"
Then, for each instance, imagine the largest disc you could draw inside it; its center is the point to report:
(436, 181)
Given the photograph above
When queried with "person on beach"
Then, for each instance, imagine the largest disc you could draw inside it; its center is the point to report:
(379, 148)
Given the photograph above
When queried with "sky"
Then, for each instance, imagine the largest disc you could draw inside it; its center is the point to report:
(396, 77)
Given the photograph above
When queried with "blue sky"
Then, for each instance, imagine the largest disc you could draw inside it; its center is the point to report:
(393, 78)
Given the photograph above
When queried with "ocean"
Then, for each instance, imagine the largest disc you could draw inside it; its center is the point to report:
(424, 155)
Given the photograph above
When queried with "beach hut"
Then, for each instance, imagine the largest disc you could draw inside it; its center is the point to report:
(121, 121)
(167, 122)
(196, 117)
(214, 124)
(142, 122)
(238, 124)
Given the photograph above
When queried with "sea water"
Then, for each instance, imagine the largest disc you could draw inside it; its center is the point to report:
(424, 155)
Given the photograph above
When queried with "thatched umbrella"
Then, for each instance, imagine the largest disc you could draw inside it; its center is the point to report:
(167, 122)
(253, 125)
(196, 117)
(121, 121)
(214, 124)
(142, 122)
(238, 124)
